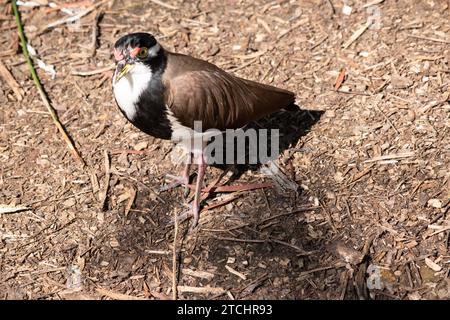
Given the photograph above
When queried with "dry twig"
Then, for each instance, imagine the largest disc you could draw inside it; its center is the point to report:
(202, 290)
(116, 295)
(165, 5)
(174, 257)
(358, 33)
(9, 79)
(107, 179)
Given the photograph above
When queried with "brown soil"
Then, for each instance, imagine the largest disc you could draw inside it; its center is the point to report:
(371, 159)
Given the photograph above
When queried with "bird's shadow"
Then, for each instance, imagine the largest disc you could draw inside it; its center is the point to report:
(136, 237)
(288, 127)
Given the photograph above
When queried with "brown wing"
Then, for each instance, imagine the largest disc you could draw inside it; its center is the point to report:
(221, 101)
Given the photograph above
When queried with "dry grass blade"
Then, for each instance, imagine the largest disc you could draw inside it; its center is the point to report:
(165, 5)
(92, 72)
(174, 257)
(358, 33)
(38, 84)
(430, 39)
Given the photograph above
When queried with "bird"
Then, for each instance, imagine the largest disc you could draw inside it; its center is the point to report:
(164, 93)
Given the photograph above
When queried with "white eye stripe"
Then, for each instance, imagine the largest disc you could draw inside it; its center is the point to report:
(153, 51)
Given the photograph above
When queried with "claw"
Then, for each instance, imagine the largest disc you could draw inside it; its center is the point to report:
(177, 181)
(191, 213)
(195, 208)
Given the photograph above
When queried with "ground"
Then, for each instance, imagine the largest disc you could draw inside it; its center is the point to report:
(370, 157)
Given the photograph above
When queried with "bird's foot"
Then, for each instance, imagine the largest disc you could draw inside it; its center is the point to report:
(176, 181)
(192, 212)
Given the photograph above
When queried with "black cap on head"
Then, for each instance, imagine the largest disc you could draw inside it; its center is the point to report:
(138, 39)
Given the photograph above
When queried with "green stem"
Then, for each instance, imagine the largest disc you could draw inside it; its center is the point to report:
(38, 84)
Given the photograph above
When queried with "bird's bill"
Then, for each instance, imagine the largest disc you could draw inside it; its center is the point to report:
(122, 70)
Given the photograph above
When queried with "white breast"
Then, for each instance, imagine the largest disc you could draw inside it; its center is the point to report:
(129, 88)
(189, 140)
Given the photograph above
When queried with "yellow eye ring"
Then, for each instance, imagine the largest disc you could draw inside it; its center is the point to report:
(143, 53)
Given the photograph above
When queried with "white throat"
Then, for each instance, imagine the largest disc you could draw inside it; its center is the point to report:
(130, 87)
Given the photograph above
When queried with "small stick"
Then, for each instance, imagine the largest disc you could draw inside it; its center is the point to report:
(270, 239)
(295, 26)
(13, 209)
(435, 219)
(391, 156)
(236, 273)
(357, 34)
(328, 217)
(339, 265)
(116, 295)
(251, 55)
(107, 178)
(264, 25)
(130, 201)
(438, 231)
(318, 43)
(71, 18)
(300, 210)
(162, 252)
(333, 10)
(244, 187)
(241, 240)
(344, 287)
(430, 39)
(4, 72)
(223, 202)
(125, 176)
(254, 284)
(165, 5)
(95, 33)
(242, 66)
(198, 274)
(302, 252)
(92, 72)
(372, 3)
(201, 290)
(174, 258)
(387, 119)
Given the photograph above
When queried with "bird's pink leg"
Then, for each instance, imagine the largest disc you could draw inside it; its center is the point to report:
(177, 181)
(195, 207)
(198, 190)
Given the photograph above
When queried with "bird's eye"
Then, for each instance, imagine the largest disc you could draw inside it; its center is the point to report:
(143, 53)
